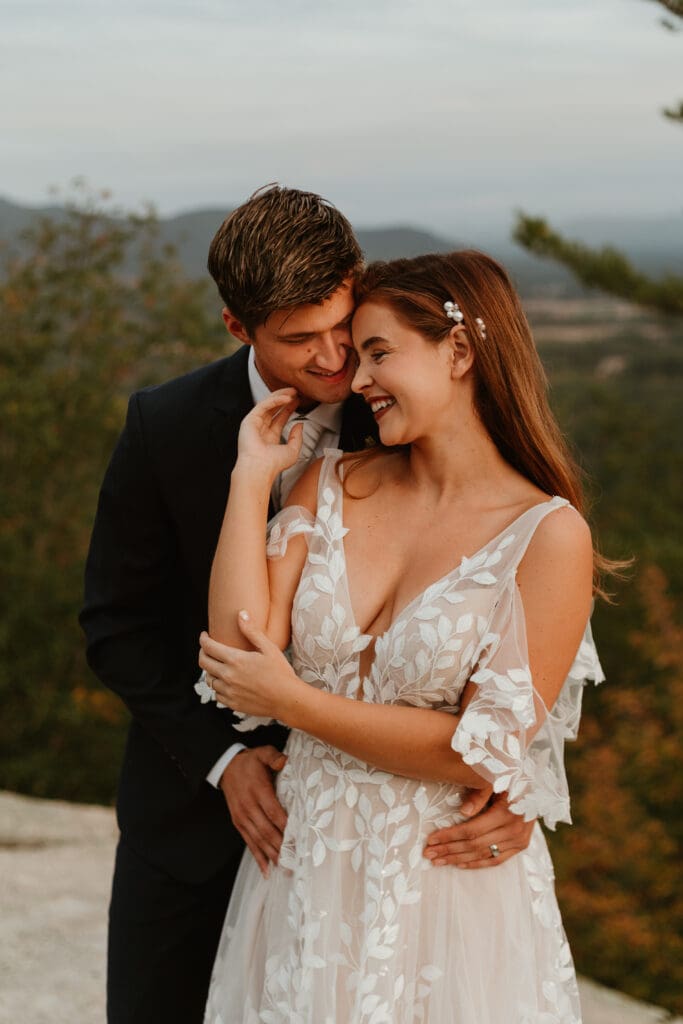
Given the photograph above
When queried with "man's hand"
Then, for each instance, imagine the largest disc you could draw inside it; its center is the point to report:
(256, 813)
(468, 844)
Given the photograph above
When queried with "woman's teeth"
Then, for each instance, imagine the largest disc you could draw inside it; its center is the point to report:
(382, 403)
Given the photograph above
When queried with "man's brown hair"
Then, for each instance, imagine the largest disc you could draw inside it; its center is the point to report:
(281, 248)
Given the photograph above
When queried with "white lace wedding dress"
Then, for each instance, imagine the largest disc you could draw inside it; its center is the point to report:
(355, 926)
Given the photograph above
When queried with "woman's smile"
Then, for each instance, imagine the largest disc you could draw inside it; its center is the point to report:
(380, 404)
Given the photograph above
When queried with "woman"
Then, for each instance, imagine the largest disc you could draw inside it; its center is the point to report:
(436, 592)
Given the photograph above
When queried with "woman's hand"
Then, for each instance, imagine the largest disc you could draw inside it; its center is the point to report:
(261, 432)
(259, 682)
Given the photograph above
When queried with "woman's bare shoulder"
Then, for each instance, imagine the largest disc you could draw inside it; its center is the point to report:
(560, 553)
(563, 530)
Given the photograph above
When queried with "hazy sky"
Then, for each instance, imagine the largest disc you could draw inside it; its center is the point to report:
(441, 113)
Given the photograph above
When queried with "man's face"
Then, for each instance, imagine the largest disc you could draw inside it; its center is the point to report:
(308, 348)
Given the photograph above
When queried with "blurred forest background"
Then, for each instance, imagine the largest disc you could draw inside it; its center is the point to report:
(96, 305)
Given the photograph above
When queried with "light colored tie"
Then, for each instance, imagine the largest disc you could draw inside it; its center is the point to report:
(311, 437)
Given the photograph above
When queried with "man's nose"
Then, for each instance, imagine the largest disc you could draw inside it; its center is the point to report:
(332, 353)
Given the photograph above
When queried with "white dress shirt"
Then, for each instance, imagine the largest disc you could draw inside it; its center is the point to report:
(328, 417)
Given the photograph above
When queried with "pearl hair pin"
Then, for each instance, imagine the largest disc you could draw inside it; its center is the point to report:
(454, 312)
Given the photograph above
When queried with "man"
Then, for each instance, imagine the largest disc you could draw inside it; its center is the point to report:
(284, 264)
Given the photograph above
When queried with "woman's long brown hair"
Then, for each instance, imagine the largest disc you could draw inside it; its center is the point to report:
(511, 388)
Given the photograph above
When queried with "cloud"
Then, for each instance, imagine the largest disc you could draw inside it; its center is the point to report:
(402, 110)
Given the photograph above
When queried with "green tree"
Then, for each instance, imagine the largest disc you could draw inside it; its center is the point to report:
(79, 332)
(619, 871)
(606, 269)
(618, 867)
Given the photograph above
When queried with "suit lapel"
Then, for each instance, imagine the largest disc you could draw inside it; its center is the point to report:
(232, 402)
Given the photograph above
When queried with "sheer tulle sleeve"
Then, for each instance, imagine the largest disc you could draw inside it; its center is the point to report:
(497, 732)
(293, 521)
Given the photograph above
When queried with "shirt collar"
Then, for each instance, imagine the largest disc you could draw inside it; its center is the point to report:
(327, 416)
(259, 388)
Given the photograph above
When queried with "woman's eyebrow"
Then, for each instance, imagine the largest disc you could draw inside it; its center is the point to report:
(371, 341)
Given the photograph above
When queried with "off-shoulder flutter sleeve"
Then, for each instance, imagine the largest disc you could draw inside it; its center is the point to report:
(293, 521)
(497, 733)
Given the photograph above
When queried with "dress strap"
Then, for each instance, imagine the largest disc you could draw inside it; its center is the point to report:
(524, 528)
(330, 488)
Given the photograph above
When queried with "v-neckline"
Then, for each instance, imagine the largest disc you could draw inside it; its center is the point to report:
(378, 637)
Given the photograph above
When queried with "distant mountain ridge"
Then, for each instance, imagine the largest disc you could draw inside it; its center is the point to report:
(656, 245)
(191, 233)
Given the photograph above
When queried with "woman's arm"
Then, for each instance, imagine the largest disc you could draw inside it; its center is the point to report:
(403, 740)
(240, 575)
(555, 582)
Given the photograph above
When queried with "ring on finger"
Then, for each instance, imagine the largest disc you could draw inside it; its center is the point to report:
(495, 850)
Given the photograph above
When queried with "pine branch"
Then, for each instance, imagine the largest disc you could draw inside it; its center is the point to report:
(604, 269)
(674, 113)
(673, 6)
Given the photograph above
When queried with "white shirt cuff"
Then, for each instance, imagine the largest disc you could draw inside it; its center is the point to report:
(214, 776)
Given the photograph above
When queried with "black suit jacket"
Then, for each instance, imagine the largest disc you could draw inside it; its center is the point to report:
(146, 585)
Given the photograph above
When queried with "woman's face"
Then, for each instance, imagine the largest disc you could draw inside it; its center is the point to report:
(405, 378)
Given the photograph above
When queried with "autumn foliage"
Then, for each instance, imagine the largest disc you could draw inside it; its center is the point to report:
(619, 871)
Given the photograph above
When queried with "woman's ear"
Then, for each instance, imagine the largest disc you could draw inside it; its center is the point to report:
(462, 352)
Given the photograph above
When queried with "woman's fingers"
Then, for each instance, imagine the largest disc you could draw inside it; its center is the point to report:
(283, 396)
(260, 436)
(219, 669)
(220, 677)
(256, 637)
(238, 681)
(214, 649)
(256, 682)
(276, 409)
(295, 439)
(221, 654)
(276, 423)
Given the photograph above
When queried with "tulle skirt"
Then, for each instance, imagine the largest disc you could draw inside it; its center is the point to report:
(354, 926)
